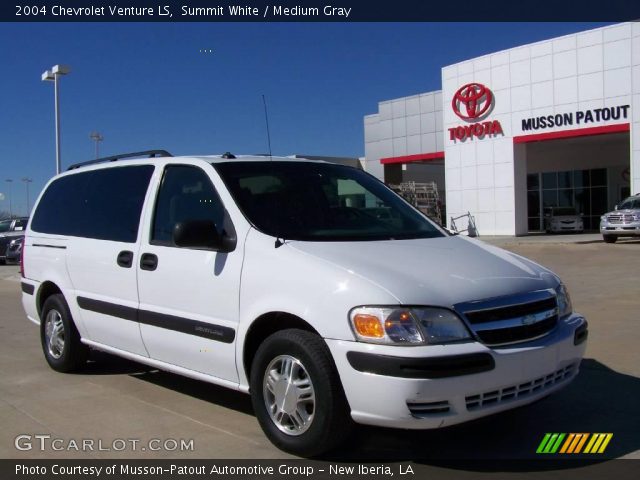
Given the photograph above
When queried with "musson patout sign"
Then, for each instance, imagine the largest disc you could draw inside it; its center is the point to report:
(473, 102)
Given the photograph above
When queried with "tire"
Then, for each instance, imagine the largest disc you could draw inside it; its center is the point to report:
(609, 238)
(68, 354)
(328, 421)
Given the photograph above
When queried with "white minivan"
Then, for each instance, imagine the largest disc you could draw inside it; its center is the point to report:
(311, 286)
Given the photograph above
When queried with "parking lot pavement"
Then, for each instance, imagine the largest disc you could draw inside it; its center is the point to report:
(10, 272)
(543, 238)
(114, 398)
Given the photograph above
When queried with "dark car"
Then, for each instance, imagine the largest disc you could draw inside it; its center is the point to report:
(10, 229)
(14, 250)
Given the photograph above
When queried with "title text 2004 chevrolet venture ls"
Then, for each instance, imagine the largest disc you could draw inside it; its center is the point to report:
(309, 285)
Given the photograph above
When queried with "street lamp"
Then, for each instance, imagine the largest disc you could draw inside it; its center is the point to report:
(27, 181)
(10, 181)
(52, 76)
(96, 137)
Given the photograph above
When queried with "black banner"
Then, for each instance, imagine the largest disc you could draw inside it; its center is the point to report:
(315, 11)
(314, 469)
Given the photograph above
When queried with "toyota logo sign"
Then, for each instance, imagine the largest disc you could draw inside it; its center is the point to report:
(476, 99)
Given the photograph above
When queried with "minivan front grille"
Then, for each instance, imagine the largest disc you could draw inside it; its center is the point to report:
(512, 319)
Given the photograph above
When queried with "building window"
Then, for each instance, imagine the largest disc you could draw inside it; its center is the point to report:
(586, 190)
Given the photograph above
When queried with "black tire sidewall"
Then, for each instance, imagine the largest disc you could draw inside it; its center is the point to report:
(72, 353)
(330, 407)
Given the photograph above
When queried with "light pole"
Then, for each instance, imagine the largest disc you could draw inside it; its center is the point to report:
(52, 76)
(96, 137)
(27, 181)
(10, 181)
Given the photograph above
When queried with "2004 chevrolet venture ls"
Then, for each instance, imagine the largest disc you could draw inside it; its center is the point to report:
(311, 286)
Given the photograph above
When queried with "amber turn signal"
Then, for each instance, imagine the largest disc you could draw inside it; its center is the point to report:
(368, 325)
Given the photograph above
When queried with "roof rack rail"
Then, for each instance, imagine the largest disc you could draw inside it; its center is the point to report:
(114, 158)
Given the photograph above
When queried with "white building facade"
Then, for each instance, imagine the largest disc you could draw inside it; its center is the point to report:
(554, 123)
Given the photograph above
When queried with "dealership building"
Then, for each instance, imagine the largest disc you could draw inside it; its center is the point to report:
(553, 123)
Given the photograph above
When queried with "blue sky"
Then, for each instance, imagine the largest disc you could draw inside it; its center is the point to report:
(147, 86)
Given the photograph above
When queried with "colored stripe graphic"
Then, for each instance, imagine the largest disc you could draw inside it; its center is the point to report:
(598, 443)
(573, 443)
(543, 443)
(550, 443)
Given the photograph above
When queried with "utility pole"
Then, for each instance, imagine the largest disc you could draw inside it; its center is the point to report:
(10, 181)
(96, 137)
(53, 76)
(27, 181)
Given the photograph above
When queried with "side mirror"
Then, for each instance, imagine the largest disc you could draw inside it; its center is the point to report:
(198, 234)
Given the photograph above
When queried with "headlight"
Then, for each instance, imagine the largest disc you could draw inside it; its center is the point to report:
(636, 217)
(564, 301)
(407, 326)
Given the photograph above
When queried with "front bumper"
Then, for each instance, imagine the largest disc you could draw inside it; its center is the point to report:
(514, 376)
(566, 227)
(631, 229)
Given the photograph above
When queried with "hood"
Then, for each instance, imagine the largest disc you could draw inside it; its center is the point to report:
(626, 211)
(565, 217)
(436, 271)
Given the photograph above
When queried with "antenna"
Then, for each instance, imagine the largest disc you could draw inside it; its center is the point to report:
(266, 120)
(279, 241)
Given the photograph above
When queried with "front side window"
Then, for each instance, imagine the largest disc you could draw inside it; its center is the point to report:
(321, 202)
(104, 204)
(5, 225)
(186, 194)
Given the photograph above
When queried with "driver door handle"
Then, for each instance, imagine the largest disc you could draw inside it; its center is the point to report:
(125, 259)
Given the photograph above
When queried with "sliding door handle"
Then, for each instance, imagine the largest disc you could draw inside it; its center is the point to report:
(148, 261)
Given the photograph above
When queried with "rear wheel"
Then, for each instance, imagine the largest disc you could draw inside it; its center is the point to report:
(609, 238)
(59, 337)
(297, 395)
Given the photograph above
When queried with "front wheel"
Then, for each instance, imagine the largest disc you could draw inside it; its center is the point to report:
(609, 238)
(297, 395)
(59, 337)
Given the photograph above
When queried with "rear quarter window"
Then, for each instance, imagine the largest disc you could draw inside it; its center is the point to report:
(101, 204)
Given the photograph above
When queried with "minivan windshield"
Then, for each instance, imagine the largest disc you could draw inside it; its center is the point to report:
(317, 201)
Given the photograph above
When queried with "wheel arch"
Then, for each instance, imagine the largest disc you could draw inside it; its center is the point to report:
(265, 325)
(47, 289)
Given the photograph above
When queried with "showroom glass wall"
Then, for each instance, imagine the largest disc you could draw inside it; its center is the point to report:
(585, 190)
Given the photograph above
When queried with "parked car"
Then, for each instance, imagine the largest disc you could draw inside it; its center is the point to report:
(14, 250)
(257, 274)
(562, 219)
(10, 229)
(624, 221)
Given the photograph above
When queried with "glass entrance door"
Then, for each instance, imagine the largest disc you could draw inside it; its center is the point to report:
(585, 190)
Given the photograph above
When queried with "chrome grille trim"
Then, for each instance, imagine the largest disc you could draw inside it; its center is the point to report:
(620, 218)
(511, 319)
(517, 321)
